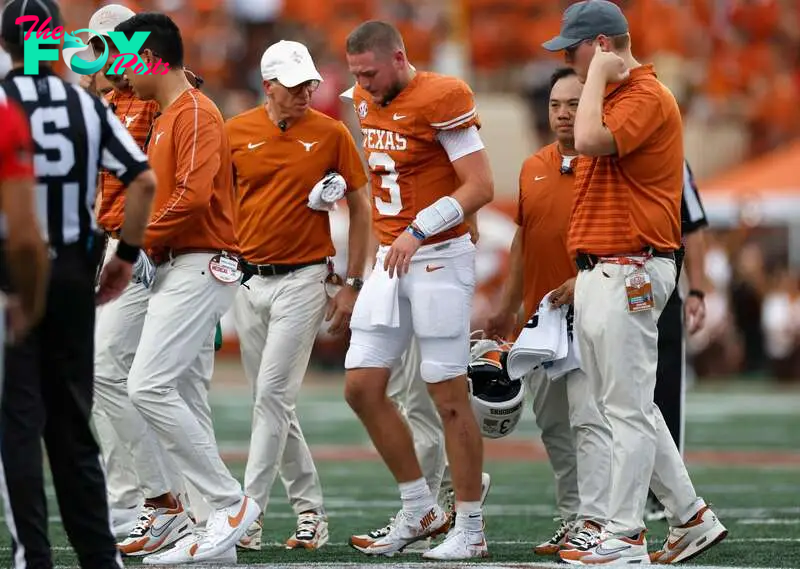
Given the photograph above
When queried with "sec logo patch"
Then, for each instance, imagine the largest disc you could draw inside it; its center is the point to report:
(362, 109)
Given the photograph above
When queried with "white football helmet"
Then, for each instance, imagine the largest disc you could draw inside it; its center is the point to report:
(496, 399)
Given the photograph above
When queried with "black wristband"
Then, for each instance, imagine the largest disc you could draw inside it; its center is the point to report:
(698, 293)
(126, 252)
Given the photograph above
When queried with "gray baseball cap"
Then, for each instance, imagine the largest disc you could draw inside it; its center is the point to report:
(586, 20)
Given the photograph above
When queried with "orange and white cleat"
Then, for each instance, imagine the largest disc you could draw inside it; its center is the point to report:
(688, 541)
(311, 532)
(616, 549)
(157, 529)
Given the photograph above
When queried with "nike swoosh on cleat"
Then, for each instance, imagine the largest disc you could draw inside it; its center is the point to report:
(600, 550)
(235, 521)
(158, 531)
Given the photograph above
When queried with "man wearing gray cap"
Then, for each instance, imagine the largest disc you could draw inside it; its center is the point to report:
(624, 231)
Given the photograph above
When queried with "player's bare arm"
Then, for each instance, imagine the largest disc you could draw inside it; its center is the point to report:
(475, 191)
(26, 253)
(358, 245)
(502, 323)
(695, 305)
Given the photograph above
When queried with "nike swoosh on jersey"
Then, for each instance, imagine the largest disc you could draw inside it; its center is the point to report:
(397, 117)
(252, 146)
(537, 178)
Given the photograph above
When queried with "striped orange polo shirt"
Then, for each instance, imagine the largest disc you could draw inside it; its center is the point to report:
(632, 199)
(137, 116)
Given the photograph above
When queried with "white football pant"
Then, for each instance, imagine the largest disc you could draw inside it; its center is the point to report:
(171, 372)
(277, 320)
(619, 352)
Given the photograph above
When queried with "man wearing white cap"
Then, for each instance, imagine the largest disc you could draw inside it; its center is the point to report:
(292, 164)
(142, 481)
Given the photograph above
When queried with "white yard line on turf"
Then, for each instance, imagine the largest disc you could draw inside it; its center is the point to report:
(416, 565)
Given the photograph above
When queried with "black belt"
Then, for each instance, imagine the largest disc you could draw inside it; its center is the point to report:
(274, 270)
(586, 261)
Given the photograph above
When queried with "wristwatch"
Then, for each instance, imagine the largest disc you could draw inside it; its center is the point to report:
(354, 282)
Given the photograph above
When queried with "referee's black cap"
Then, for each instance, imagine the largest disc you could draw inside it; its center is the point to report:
(13, 33)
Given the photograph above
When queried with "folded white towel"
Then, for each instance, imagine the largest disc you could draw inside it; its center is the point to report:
(543, 339)
(571, 362)
(327, 192)
(377, 303)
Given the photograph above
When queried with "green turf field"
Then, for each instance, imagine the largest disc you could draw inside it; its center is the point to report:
(743, 444)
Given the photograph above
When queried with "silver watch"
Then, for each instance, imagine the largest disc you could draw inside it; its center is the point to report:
(354, 282)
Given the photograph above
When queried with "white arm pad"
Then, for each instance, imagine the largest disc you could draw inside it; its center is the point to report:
(460, 142)
(445, 213)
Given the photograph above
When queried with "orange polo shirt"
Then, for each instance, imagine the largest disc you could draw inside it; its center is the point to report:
(632, 200)
(137, 116)
(274, 173)
(189, 153)
(545, 204)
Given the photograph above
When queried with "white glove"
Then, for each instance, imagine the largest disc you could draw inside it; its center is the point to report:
(327, 192)
(144, 269)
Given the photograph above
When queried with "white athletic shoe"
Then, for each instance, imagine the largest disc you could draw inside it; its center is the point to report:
(225, 527)
(311, 532)
(123, 520)
(183, 552)
(559, 539)
(616, 549)
(703, 531)
(366, 539)
(450, 498)
(252, 536)
(156, 529)
(407, 528)
(459, 544)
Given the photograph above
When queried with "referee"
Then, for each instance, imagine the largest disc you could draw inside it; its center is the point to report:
(670, 389)
(49, 374)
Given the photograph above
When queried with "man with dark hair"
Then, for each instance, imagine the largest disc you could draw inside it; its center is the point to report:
(540, 266)
(191, 239)
(429, 173)
(49, 375)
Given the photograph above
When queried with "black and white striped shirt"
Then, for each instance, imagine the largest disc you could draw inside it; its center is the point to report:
(693, 214)
(75, 134)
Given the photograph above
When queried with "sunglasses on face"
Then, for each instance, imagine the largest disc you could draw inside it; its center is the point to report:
(297, 90)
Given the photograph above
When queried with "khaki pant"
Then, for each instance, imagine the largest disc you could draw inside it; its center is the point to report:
(619, 352)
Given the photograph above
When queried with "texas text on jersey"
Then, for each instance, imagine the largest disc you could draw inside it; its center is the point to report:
(409, 168)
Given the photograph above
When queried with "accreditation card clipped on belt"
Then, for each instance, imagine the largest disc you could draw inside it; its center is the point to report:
(639, 290)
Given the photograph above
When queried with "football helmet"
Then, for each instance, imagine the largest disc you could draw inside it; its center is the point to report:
(496, 399)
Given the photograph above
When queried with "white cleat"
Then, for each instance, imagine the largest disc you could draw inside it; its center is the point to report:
(156, 529)
(688, 541)
(407, 528)
(184, 552)
(123, 520)
(224, 529)
(450, 499)
(459, 544)
(311, 532)
(252, 537)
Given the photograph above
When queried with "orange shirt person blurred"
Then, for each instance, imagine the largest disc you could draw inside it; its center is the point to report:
(624, 231)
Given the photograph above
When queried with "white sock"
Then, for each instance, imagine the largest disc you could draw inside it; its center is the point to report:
(469, 516)
(416, 495)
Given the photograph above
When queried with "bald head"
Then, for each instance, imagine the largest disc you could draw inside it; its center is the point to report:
(375, 36)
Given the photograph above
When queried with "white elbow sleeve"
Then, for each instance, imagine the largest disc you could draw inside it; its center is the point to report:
(443, 214)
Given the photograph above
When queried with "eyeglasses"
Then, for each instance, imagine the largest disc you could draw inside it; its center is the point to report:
(298, 90)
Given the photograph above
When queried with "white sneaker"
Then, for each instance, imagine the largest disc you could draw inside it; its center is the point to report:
(703, 531)
(183, 552)
(459, 544)
(123, 520)
(450, 498)
(252, 536)
(156, 529)
(311, 532)
(225, 527)
(407, 528)
(610, 548)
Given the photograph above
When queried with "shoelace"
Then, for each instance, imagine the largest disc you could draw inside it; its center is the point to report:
(144, 523)
(382, 532)
(561, 532)
(306, 527)
(585, 539)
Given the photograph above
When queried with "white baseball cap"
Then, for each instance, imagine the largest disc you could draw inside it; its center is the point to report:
(290, 63)
(107, 18)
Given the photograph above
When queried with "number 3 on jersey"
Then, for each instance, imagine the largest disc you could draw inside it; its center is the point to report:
(382, 165)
